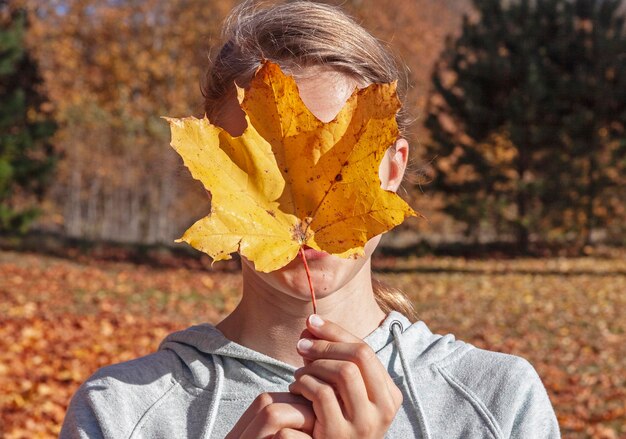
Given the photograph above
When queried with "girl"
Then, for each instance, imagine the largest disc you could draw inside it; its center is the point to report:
(366, 374)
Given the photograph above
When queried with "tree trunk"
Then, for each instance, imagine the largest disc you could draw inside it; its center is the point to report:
(591, 196)
(73, 221)
(522, 204)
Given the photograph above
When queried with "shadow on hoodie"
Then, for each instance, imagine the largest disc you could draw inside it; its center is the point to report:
(199, 383)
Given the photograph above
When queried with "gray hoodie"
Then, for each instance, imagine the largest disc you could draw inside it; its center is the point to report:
(199, 383)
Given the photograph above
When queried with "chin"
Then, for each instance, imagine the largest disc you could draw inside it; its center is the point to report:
(329, 273)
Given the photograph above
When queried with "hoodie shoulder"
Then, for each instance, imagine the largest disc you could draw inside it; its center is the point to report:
(506, 390)
(113, 400)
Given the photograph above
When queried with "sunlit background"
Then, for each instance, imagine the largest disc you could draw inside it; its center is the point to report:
(518, 163)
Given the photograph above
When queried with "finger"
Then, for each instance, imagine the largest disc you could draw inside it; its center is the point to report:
(289, 433)
(346, 377)
(376, 378)
(322, 396)
(363, 356)
(261, 401)
(307, 334)
(274, 417)
(327, 330)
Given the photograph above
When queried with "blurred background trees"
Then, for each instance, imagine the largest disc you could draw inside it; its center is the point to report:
(519, 114)
(527, 121)
(27, 158)
(113, 68)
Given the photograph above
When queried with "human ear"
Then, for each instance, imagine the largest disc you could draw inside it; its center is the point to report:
(394, 164)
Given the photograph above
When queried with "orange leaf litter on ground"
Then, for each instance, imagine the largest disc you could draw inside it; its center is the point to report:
(60, 320)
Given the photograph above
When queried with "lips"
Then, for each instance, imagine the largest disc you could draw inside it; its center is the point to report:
(311, 254)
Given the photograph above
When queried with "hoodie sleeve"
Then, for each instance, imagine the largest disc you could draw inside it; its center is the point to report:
(508, 393)
(80, 420)
(532, 414)
(112, 402)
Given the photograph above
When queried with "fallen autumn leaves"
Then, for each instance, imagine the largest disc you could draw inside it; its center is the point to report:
(61, 320)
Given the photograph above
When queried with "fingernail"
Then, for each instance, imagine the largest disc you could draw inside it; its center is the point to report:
(304, 344)
(315, 320)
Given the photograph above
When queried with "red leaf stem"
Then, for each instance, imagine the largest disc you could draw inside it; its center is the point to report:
(308, 275)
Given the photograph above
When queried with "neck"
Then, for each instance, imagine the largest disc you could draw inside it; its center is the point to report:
(280, 318)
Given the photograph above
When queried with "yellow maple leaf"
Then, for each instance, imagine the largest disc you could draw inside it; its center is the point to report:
(289, 179)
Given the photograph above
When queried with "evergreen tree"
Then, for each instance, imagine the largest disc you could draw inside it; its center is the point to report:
(26, 158)
(592, 94)
(517, 113)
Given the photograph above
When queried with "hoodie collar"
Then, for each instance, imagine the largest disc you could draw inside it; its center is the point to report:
(419, 339)
(382, 336)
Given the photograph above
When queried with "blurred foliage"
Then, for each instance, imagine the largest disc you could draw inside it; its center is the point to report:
(113, 68)
(60, 320)
(528, 119)
(27, 158)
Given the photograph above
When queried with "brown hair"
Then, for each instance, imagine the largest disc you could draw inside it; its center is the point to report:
(299, 34)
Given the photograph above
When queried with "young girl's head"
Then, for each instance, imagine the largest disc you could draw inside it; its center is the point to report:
(329, 55)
